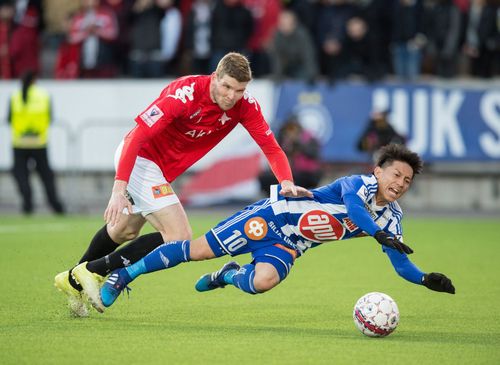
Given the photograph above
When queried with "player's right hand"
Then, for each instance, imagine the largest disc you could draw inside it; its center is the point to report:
(290, 190)
(385, 239)
(117, 203)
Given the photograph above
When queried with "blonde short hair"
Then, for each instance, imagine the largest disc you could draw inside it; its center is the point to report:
(236, 66)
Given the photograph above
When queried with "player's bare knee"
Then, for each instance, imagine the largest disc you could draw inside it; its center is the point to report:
(200, 250)
(123, 235)
(265, 281)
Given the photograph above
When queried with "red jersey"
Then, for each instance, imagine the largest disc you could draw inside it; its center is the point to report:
(183, 124)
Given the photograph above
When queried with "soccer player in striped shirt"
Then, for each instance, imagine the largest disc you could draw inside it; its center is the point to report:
(278, 230)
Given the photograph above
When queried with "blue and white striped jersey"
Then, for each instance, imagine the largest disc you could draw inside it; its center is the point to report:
(310, 221)
(344, 209)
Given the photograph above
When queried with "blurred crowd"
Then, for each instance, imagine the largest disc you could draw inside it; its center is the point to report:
(284, 39)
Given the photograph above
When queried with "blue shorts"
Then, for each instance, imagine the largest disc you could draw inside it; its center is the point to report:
(254, 230)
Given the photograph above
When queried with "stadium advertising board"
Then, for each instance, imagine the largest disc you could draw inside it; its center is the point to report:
(442, 123)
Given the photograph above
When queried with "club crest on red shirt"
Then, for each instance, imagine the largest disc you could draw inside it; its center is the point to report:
(152, 115)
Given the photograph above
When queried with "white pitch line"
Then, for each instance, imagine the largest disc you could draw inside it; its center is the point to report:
(17, 228)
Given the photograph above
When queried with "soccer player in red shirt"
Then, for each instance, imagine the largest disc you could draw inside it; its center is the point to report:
(190, 117)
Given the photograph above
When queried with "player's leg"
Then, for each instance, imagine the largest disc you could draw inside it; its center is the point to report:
(128, 227)
(252, 230)
(153, 197)
(171, 223)
(109, 238)
(150, 194)
(166, 256)
(100, 245)
(80, 279)
(270, 266)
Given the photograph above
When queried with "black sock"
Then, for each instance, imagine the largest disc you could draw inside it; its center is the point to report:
(101, 245)
(127, 255)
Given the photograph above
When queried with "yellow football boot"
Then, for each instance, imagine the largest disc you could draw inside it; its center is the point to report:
(91, 284)
(76, 303)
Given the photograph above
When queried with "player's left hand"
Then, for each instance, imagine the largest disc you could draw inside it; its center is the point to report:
(290, 190)
(438, 282)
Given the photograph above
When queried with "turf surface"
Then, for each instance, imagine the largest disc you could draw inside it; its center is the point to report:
(305, 320)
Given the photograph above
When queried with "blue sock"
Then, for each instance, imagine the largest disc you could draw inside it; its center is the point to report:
(243, 279)
(167, 255)
(228, 276)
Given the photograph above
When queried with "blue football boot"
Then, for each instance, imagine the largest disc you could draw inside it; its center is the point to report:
(113, 287)
(215, 279)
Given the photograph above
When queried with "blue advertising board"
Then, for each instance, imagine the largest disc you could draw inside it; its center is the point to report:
(442, 123)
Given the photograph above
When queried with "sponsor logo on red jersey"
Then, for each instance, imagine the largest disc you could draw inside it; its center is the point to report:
(183, 92)
(318, 225)
(250, 99)
(152, 115)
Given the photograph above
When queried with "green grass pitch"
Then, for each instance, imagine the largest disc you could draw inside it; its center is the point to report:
(307, 319)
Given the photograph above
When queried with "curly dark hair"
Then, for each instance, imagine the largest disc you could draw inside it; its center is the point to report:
(398, 152)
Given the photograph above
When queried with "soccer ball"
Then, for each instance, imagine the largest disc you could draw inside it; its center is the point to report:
(376, 314)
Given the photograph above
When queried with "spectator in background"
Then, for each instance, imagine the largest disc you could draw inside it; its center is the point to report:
(30, 116)
(359, 55)
(56, 15)
(67, 63)
(443, 29)
(482, 39)
(231, 29)
(197, 36)
(170, 32)
(6, 25)
(265, 15)
(378, 17)
(331, 33)
(121, 46)
(303, 152)
(378, 133)
(292, 51)
(145, 58)
(94, 29)
(306, 12)
(25, 37)
(408, 38)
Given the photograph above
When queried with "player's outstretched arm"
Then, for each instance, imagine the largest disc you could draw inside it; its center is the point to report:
(438, 282)
(403, 266)
(409, 271)
(359, 215)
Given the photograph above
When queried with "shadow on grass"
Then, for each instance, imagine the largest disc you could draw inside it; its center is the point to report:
(206, 329)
